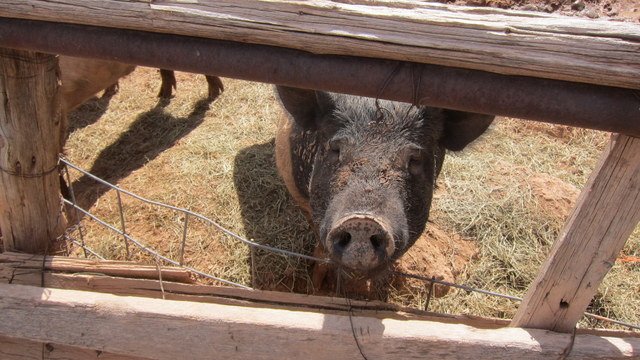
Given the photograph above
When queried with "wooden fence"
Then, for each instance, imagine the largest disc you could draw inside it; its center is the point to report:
(596, 54)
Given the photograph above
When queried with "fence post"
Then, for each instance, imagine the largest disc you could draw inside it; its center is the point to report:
(606, 213)
(32, 130)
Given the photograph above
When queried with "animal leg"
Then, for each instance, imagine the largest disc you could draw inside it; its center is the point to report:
(111, 90)
(215, 86)
(168, 83)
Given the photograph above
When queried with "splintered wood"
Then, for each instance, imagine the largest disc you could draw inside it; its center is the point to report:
(22, 263)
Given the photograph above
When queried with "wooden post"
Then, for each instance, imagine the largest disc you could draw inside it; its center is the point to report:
(606, 213)
(31, 137)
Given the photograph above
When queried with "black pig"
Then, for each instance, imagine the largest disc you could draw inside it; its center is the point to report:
(364, 171)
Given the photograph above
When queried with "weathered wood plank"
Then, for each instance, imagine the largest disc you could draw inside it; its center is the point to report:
(165, 329)
(242, 297)
(507, 42)
(32, 129)
(105, 267)
(20, 349)
(606, 213)
(13, 273)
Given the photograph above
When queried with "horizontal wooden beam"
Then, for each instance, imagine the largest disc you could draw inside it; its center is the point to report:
(166, 329)
(561, 102)
(65, 264)
(506, 42)
(20, 349)
(93, 279)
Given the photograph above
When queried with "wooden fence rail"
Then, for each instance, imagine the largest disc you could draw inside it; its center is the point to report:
(561, 102)
(167, 329)
(506, 42)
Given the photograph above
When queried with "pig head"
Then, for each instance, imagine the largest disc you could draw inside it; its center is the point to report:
(364, 170)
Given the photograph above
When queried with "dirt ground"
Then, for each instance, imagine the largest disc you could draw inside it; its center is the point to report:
(628, 10)
(552, 195)
(498, 208)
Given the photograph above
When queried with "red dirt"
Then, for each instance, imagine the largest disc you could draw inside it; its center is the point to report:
(628, 10)
(443, 254)
(439, 254)
(552, 195)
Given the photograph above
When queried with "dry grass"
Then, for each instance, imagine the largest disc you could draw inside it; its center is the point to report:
(493, 196)
(217, 159)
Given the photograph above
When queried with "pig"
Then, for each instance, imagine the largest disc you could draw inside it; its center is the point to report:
(82, 78)
(363, 171)
(169, 82)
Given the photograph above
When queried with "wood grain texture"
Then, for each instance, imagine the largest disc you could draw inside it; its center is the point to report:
(166, 329)
(32, 129)
(20, 349)
(105, 267)
(91, 279)
(606, 213)
(507, 42)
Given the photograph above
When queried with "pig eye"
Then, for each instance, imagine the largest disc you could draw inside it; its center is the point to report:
(413, 158)
(334, 147)
(415, 165)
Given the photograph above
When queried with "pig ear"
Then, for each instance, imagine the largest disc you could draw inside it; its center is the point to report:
(461, 128)
(306, 107)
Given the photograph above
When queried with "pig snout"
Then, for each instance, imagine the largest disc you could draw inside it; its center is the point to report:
(361, 242)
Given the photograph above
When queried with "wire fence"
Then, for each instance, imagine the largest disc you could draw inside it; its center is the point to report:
(128, 239)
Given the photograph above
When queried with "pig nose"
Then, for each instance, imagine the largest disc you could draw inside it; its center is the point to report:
(361, 242)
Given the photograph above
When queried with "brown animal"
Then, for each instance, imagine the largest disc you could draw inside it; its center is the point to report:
(363, 171)
(82, 78)
(169, 82)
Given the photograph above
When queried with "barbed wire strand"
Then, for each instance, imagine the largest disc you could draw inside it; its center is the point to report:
(459, 286)
(196, 215)
(160, 277)
(88, 249)
(279, 251)
(73, 199)
(431, 286)
(567, 351)
(68, 239)
(514, 298)
(122, 225)
(154, 253)
(353, 329)
(184, 238)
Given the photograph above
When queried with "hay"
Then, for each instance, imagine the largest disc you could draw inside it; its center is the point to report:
(217, 159)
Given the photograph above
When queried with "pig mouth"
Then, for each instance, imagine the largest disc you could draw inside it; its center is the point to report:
(360, 242)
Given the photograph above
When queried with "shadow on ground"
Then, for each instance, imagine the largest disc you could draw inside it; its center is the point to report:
(148, 136)
(89, 112)
(270, 217)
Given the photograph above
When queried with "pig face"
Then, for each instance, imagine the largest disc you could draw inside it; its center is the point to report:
(368, 169)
